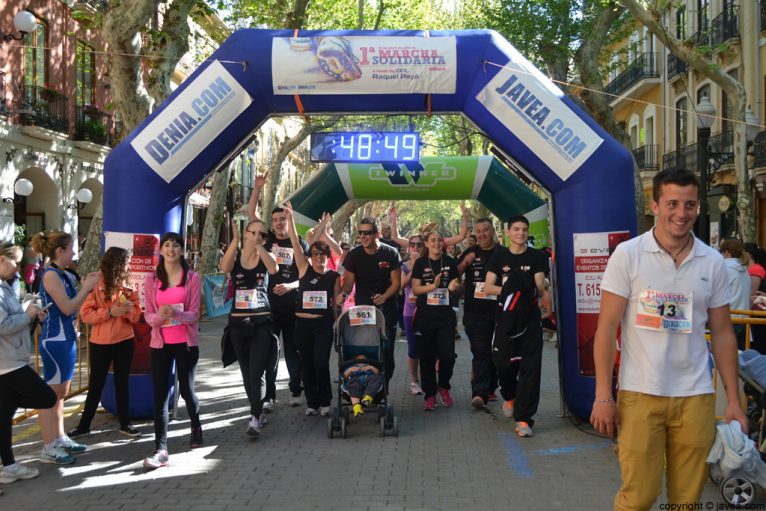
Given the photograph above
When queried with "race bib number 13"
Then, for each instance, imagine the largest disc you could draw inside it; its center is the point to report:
(665, 312)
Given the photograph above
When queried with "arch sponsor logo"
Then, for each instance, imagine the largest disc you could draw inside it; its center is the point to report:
(413, 174)
(191, 121)
(528, 107)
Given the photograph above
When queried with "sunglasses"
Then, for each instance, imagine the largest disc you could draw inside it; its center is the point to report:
(416, 244)
(314, 253)
(365, 233)
(262, 234)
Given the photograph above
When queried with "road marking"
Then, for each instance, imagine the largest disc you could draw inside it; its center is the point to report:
(517, 460)
(571, 448)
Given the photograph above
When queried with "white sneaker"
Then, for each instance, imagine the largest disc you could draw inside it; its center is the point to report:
(508, 409)
(311, 411)
(415, 389)
(20, 471)
(254, 427)
(268, 406)
(295, 401)
(325, 410)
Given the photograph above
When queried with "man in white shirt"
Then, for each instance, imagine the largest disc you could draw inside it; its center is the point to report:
(664, 287)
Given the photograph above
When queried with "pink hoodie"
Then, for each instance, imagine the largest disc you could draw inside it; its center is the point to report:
(189, 317)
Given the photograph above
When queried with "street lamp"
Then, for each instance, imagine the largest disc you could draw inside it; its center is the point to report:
(84, 196)
(25, 22)
(22, 187)
(705, 118)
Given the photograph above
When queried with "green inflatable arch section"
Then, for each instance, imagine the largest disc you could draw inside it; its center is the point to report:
(482, 178)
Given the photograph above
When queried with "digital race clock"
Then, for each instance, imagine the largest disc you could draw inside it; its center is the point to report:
(362, 147)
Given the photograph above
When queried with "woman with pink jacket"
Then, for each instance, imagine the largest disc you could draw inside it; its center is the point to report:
(172, 297)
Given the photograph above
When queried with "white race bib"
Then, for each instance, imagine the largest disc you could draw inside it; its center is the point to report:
(479, 294)
(315, 299)
(362, 315)
(665, 312)
(439, 296)
(248, 299)
(283, 255)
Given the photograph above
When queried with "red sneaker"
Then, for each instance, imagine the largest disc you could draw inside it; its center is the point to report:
(492, 397)
(430, 404)
(446, 398)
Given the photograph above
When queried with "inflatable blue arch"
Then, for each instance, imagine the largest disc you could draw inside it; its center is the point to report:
(259, 73)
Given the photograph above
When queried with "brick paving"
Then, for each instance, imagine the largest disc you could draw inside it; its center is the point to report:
(450, 459)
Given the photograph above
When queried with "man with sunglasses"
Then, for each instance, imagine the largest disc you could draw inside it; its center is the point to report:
(479, 311)
(375, 268)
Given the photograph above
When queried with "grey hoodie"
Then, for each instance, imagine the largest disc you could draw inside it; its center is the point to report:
(739, 284)
(15, 341)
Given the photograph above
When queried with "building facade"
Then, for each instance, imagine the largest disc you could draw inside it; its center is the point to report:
(655, 96)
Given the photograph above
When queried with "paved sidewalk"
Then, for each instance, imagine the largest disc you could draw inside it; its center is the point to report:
(452, 459)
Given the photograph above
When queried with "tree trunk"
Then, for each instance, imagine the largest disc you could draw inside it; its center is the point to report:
(342, 216)
(297, 17)
(214, 219)
(381, 8)
(586, 60)
(734, 90)
(171, 44)
(91, 254)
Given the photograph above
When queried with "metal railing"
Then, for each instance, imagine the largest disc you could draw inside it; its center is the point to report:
(759, 150)
(93, 124)
(3, 98)
(725, 26)
(763, 16)
(682, 158)
(702, 36)
(676, 66)
(645, 66)
(722, 142)
(40, 106)
(646, 157)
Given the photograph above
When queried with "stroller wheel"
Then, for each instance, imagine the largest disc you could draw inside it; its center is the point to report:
(343, 423)
(715, 474)
(396, 426)
(389, 414)
(330, 429)
(737, 491)
(382, 426)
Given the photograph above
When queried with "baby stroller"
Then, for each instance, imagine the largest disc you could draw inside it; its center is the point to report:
(739, 489)
(360, 331)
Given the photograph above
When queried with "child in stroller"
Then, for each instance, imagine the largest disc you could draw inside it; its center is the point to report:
(359, 342)
(362, 382)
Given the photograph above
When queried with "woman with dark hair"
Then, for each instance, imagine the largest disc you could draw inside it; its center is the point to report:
(250, 324)
(434, 279)
(318, 294)
(112, 308)
(756, 269)
(20, 386)
(172, 297)
(59, 338)
(408, 314)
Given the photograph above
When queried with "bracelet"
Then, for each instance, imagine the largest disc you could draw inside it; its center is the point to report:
(610, 400)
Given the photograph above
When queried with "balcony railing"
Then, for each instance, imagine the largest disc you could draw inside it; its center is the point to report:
(759, 150)
(723, 142)
(725, 26)
(676, 66)
(93, 125)
(683, 158)
(645, 66)
(763, 16)
(702, 36)
(47, 108)
(3, 98)
(646, 157)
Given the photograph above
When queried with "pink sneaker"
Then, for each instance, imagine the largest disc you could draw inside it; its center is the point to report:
(430, 404)
(446, 398)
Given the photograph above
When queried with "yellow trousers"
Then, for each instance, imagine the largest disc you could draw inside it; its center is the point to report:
(655, 430)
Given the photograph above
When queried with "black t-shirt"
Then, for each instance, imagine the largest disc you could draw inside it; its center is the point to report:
(435, 305)
(287, 272)
(390, 242)
(316, 293)
(250, 287)
(531, 261)
(477, 272)
(372, 272)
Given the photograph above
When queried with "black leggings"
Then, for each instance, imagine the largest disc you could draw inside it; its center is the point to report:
(435, 342)
(253, 339)
(20, 388)
(186, 358)
(313, 337)
(101, 356)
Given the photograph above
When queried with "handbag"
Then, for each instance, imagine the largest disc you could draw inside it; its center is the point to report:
(228, 355)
